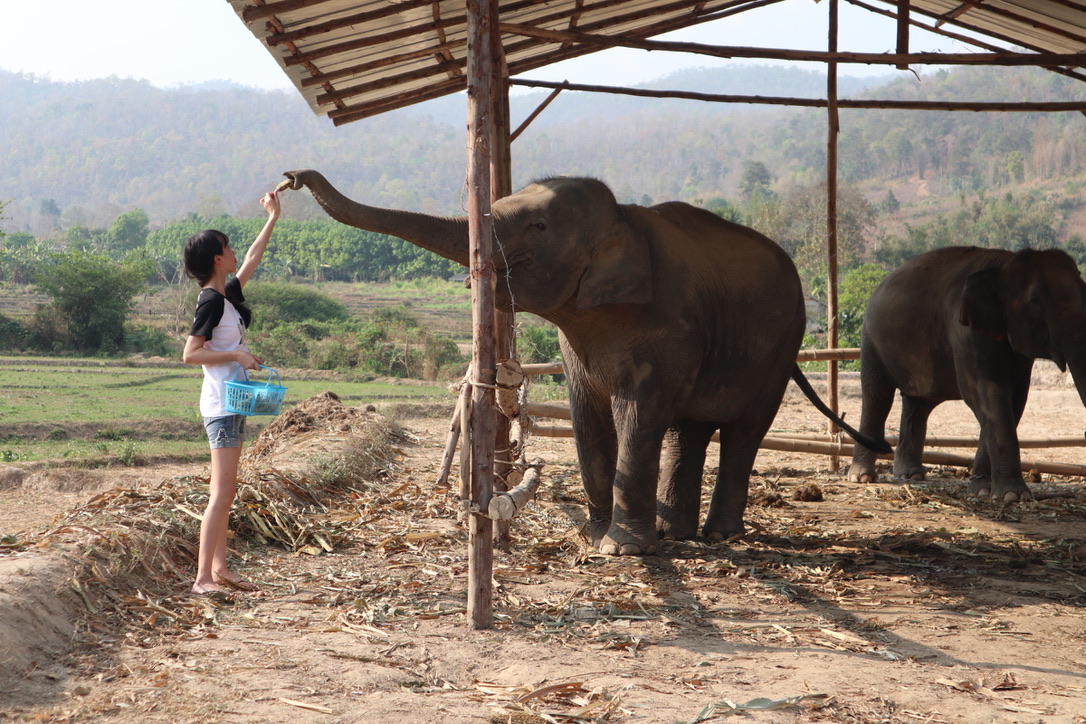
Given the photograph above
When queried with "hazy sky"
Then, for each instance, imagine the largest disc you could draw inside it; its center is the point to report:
(173, 42)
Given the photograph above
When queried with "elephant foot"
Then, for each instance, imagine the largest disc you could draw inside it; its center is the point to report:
(911, 474)
(674, 531)
(619, 541)
(722, 531)
(1008, 491)
(862, 474)
(597, 530)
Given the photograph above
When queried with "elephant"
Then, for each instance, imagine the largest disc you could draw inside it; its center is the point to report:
(673, 324)
(967, 323)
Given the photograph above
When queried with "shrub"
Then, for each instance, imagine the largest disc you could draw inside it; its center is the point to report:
(538, 344)
(856, 288)
(14, 337)
(278, 303)
(92, 296)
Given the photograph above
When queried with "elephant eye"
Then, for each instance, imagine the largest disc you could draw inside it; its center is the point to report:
(540, 225)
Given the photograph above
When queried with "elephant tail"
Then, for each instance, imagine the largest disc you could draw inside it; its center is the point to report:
(879, 446)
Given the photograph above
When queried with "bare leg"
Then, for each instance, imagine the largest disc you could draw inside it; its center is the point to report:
(213, 528)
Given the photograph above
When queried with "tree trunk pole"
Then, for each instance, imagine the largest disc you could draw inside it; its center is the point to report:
(833, 126)
(483, 364)
(501, 178)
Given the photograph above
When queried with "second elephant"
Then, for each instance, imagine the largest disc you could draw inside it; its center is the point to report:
(966, 323)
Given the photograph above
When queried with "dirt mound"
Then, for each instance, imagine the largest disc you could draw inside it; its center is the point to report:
(318, 434)
(36, 628)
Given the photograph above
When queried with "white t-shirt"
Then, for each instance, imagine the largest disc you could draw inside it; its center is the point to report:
(217, 320)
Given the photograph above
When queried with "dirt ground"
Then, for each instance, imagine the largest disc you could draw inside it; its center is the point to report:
(844, 603)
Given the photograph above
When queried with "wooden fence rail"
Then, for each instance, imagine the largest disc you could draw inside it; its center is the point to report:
(823, 444)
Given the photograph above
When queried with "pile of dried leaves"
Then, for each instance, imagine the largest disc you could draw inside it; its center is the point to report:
(135, 550)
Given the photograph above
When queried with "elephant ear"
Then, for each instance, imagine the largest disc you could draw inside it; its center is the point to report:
(982, 306)
(619, 273)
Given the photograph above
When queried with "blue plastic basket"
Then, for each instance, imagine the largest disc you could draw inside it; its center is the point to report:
(245, 397)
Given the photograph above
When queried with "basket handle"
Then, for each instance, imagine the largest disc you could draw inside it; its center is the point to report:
(278, 382)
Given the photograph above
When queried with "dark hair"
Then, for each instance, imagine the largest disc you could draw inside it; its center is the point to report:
(199, 258)
(200, 252)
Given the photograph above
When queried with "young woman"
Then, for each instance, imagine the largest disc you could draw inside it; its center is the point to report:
(217, 342)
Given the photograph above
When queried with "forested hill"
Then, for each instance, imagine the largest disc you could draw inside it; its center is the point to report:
(79, 154)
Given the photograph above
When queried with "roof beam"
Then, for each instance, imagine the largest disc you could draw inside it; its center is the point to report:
(400, 34)
(384, 61)
(1025, 107)
(256, 12)
(357, 19)
(724, 51)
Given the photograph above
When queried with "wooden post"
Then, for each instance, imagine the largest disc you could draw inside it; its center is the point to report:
(501, 179)
(903, 31)
(483, 364)
(833, 127)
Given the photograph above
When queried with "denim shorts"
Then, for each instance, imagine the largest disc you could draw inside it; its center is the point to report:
(226, 431)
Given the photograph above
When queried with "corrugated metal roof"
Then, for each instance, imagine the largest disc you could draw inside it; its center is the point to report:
(356, 58)
(1050, 26)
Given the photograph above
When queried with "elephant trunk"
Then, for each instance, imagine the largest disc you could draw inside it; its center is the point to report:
(445, 236)
(1071, 346)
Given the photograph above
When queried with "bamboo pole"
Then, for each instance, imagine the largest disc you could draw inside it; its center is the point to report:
(501, 179)
(1001, 107)
(968, 442)
(833, 127)
(483, 368)
(932, 457)
(824, 355)
(816, 447)
(997, 57)
(804, 355)
(451, 441)
(561, 412)
(543, 368)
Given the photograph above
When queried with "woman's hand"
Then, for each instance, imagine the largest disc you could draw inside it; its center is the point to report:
(270, 202)
(247, 360)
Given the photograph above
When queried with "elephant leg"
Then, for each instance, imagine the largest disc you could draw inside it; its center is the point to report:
(980, 476)
(877, 392)
(738, 448)
(909, 454)
(640, 423)
(997, 467)
(678, 502)
(597, 452)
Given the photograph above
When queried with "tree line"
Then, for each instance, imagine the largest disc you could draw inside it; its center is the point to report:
(93, 276)
(80, 154)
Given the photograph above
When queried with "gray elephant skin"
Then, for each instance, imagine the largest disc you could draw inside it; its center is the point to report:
(966, 323)
(673, 324)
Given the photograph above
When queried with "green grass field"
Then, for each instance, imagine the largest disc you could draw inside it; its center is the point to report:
(105, 412)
